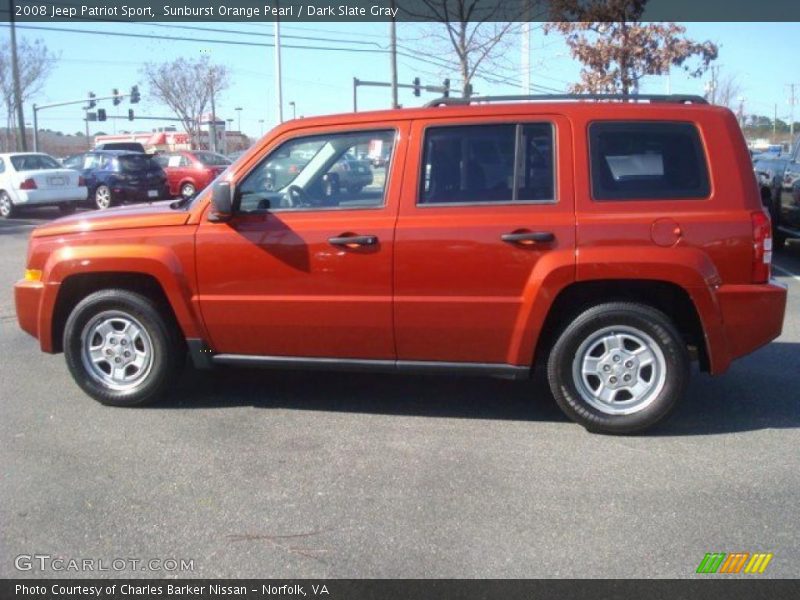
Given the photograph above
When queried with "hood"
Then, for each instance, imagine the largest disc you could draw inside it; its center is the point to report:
(135, 216)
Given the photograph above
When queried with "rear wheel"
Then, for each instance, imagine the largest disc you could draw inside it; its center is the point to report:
(7, 209)
(618, 368)
(120, 349)
(102, 197)
(187, 190)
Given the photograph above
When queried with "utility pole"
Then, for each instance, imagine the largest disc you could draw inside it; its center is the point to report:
(791, 110)
(525, 59)
(775, 123)
(393, 56)
(22, 142)
(278, 78)
(713, 84)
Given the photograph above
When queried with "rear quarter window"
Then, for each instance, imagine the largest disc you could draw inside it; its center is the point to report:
(647, 161)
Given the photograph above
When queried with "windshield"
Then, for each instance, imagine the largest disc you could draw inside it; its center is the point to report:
(34, 162)
(211, 159)
(136, 162)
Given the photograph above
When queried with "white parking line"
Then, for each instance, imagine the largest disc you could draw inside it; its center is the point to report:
(785, 272)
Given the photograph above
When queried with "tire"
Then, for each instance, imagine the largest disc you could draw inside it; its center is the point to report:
(102, 197)
(639, 332)
(95, 327)
(67, 209)
(187, 190)
(7, 208)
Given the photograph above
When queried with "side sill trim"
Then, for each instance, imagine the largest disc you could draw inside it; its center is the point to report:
(501, 370)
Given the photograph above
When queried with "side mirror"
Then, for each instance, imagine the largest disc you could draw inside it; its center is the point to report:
(221, 201)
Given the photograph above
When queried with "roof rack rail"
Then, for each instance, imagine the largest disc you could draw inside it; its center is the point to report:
(668, 98)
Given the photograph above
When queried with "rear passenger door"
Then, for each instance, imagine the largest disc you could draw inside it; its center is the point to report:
(487, 212)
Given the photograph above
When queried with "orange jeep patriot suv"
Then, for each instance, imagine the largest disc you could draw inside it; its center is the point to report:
(611, 239)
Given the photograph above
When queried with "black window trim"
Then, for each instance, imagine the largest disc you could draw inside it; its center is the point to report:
(394, 129)
(519, 124)
(699, 145)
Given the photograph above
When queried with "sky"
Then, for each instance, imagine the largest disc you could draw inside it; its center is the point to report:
(762, 56)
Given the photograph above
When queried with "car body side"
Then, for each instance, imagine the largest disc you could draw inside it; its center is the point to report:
(689, 255)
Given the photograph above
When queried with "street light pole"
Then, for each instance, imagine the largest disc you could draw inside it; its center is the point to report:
(294, 109)
(278, 78)
(239, 112)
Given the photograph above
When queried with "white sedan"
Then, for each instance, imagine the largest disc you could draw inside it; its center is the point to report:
(35, 179)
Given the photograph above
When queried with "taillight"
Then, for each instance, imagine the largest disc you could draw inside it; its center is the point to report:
(28, 184)
(81, 181)
(293, 169)
(762, 246)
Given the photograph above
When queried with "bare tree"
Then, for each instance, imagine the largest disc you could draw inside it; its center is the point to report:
(188, 88)
(728, 92)
(36, 63)
(617, 49)
(472, 36)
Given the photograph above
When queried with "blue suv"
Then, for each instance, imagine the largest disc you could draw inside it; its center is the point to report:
(119, 176)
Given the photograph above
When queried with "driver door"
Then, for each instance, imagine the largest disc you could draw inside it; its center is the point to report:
(304, 267)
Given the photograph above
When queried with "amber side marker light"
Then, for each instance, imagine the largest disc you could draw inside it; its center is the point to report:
(33, 275)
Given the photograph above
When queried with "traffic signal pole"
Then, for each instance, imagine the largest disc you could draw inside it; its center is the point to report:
(39, 107)
(416, 86)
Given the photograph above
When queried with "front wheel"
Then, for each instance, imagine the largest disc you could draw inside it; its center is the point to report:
(120, 349)
(618, 368)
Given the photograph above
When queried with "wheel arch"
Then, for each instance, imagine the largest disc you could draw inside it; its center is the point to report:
(668, 297)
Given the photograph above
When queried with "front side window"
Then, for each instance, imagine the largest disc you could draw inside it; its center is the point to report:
(319, 172)
(488, 163)
(636, 160)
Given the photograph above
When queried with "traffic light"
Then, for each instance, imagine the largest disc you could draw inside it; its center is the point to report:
(130, 114)
(416, 86)
(135, 95)
(101, 114)
(92, 102)
(117, 98)
(446, 86)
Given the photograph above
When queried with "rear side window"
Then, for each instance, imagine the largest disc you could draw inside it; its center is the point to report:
(647, 161)
(470, 164)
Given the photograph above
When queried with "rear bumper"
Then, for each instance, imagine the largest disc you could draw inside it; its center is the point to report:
(124, 193)
(751, 316)
(54, 196)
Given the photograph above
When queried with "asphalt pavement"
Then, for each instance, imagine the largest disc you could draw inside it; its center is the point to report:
(285, 474)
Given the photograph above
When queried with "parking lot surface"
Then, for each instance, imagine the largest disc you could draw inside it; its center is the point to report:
(287, 474)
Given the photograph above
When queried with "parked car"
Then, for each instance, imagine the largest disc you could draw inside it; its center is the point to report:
(607, 241)
(120, 176)
(35, 179)
(779, 182)
(189, 172)
(127, 146)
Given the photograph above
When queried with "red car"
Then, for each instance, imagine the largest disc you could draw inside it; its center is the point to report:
(190, 172)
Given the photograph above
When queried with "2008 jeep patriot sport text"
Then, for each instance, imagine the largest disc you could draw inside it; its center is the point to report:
(610, 240)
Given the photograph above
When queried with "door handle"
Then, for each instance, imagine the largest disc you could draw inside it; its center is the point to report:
(353, 241)
(528, 237)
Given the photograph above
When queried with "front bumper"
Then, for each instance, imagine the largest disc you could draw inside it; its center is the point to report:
(28, 299)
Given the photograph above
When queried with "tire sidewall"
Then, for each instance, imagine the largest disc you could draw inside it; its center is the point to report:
(163, 348)
(650, 321)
